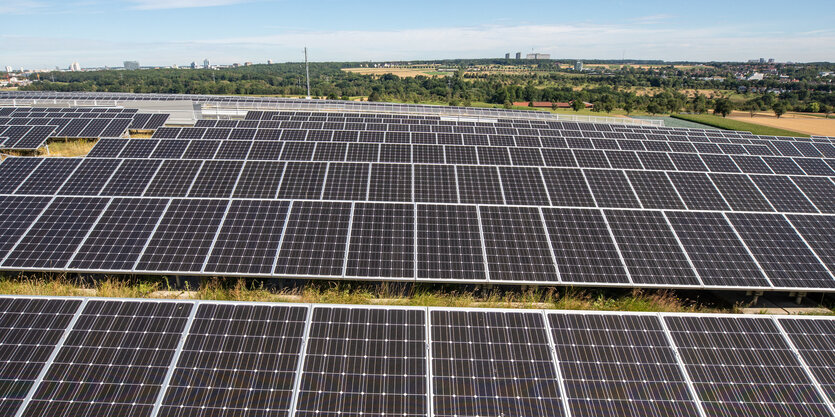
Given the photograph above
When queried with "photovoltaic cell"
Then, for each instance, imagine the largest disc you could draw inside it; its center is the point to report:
(139, 148)
(314, 239)
(716, 251)
(479, 185)
(740, 192)
(390, 182)
(817, 232)
(743, 367)
(368, 362)
(821, 191)
(611, 189)
(174, 178)
(90, 177)
(238, 360)
(583, 247)
(567, 187)
(617, 365)
(492, 364)
(248, 240)
(516, 244)
(346, 181)
(113, 362)
(120, 235)
(132, 177)
(815, 341)
(523, 185)
(649, 248)
(216, 179)
(449, 243)
(29, 331)
(184, 236)
(435, 184)
(697, 191)
(382, 241)
(16, 215)
(302, 180)
(107, 148)
(259, 179)
(49, 176)
(655, 190)
(51, 242)
(783, 194)
(780, 251)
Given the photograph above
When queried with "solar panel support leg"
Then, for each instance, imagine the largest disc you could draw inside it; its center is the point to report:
(799, 298)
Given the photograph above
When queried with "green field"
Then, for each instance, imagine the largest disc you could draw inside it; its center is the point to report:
(731, 124)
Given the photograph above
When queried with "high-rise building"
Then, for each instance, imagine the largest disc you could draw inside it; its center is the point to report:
(193, 65)
(269, 62)
(507, 55)
(8, 69)
(578, 66)
(518, 55)
(206, 64)
(131, 65)
(762, 60)
(538, 56)
(75, 66)
(770, 60)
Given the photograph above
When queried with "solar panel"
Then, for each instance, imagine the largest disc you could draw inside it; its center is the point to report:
(51, 242)
(743, 366)
(619, 365)
(740, 192)
(523, 185)
(449, 243)
(107, 148)
(611, 189)
(201, 149)
(132, 177)
(655, 190)
(49, 176)
(302, 180)
(783, 194)
(120, 234)
(716, 251)
(817, 233)
(697, 191)
(780, 251)
(333, 151)
(492, 364)
(567, 187)
(650, 249)
(813, 340)
(390, 182)
(315, 239)
(435, 183)
(516, 244)
(479, 185)
(259, 179)
(382, 241)
(231, 149)
(268, 151)
(31, 330)
(90, 177)
(364, 361)
(820, 191)
(13, 171)
(173, 179)
(237, 360)
(184, 236)
(16, 216)
(248, 241)
(216, 179)
(93, 373)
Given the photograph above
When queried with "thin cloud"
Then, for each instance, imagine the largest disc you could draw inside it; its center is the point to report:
(182, 4)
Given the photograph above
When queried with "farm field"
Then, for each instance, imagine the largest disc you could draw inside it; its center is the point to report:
(737, 124)
(798, 122)
(400, 72)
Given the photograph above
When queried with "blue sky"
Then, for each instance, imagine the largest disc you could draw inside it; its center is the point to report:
(49, 33)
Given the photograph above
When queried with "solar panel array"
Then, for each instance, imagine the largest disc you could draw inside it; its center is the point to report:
(27, 128)
(425, 199)
(74, 356)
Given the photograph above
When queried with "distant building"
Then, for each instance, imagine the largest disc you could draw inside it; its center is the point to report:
(269, 62)
(8, 69)
(770, 60)
(131, 65)
(75, 66)
(762, 60)
(538, 56)
(757, 76)
(193, 65)
(247, 64)
(578, 66)
(206, 64)
(507, 55)
(518, 55)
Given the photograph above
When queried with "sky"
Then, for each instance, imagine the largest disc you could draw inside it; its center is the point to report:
(50, 33)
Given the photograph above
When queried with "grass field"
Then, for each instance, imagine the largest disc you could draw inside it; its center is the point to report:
(425, 295)
(736, 124)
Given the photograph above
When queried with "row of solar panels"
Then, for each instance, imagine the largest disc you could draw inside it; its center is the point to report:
(25, 137)
(753, 147)
(62, 111)
(84, 357)
(421, 183)
(73, 126)
(453, 243)
(459, 155)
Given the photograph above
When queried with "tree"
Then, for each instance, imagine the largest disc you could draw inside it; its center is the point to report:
(654, 108)
(374, 96)
(723, 106)
(578, 105)
(508, 104)
(554, 106)
(779, 108)
(827, 110)
(753, 108)
(698, 104)
(530, 104)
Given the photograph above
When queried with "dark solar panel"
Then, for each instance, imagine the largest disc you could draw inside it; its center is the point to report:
(390, 182)
(302, 180)
(16, 215)
(523, 185)
(814, 340)
(118, 238)
(492, 364)
(743, 367)
(266, 151)
(216, 179)
(820, 191)
(740, 192)
(170, 148)
(237, 360)
(113, 362)
(715, 250)
(184, 236)
(51, 242)
(14, 171)
(315, 239)
(583, 246)
(780, 251)
(361, 361)
(650, 249)
(248, 240)
(449, 243)
(107, 148)
(611, 189)
(174, 178)
(31, 328)
(516, 244)
(817, 232)
(783, 194)
(479, 185)
(697, 191)
(616, 365)
(259, 179)
(435, 184)
(49, 176)
(132, 177)
(655, 190)
(382, 241)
